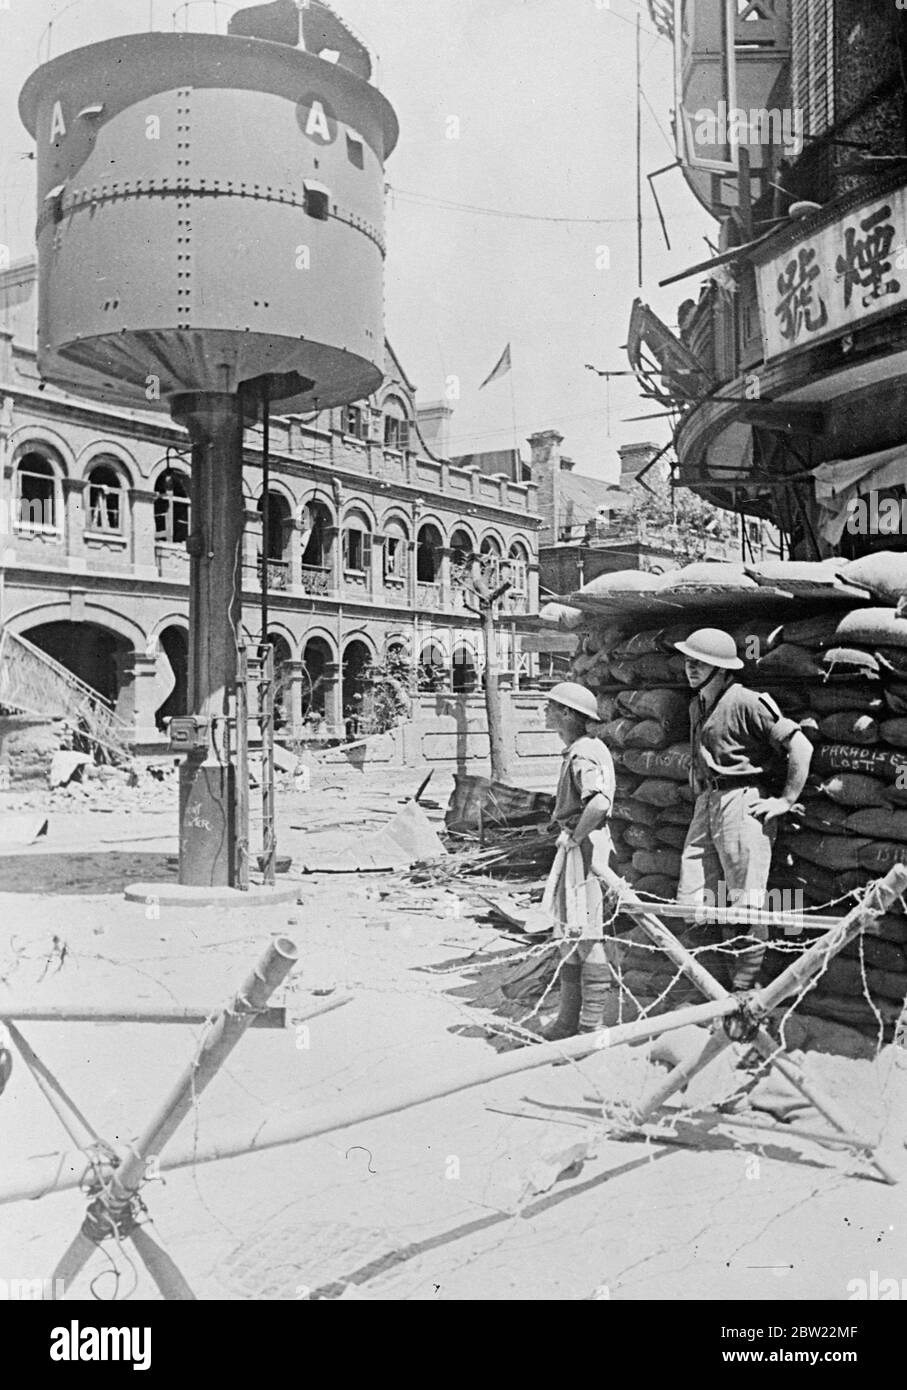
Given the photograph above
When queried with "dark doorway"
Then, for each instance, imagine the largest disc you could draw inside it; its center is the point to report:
(90, 653)
(174, 649)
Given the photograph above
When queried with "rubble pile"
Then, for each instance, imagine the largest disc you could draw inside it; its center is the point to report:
(842, 671)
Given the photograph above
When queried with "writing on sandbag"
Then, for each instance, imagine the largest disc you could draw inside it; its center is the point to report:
(874, 762)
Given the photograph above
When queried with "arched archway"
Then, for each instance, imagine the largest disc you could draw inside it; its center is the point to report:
(357, 658)
(317, 656)
(173, 662)
(92, 653)
(429, 543)
(432, 666)
(463, 670)
(282, 656)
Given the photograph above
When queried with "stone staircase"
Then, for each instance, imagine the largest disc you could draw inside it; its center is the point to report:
(32, 683)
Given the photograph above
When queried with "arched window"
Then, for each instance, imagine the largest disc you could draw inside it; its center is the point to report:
(39, 502)
(518, 568)
(396, 425)
(395, 552)
(428, 554)
(432, 666)
(106, 511)
(357, 546)
(171, 507)
(315, 524)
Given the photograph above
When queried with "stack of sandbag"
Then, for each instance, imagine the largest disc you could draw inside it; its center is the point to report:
(843, 674)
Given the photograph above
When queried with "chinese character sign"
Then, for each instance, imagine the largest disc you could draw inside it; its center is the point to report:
(842, 274)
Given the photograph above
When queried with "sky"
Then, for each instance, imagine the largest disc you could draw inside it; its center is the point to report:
(539, 97)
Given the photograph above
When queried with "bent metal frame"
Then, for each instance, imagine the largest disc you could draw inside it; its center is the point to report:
(113, 1179)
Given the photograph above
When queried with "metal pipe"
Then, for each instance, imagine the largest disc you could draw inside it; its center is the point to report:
(79, 1129)
(58, 1173)
(273, 1017)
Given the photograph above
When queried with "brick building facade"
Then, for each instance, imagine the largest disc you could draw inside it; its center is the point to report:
(369, 532)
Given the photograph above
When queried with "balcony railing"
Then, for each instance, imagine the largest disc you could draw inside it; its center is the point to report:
(315, 579)
(278, 574)
(428, 595)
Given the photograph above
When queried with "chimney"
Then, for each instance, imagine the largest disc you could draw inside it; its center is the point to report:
(633, 459)
(434, 424)
(546, 452)
(567, 465)
(545, 466)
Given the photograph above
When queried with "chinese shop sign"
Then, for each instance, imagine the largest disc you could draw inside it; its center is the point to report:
(844, 273)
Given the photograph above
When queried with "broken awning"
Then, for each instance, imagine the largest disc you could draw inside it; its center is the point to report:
(841, 482)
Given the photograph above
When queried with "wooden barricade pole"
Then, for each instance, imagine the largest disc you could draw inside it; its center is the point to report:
(222, 1036)
(877, 900)
(60, 1172)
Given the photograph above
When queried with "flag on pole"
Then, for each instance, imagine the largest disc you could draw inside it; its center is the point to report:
(501, 369)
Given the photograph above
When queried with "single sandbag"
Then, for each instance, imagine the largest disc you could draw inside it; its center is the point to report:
(845, 663)
(681, 813)
(830, 699)
(657, 792)
(640, 644)
(669, 707)
(874, 762)
(872, 627)
(856, 789)
(824, 1035)
(881, 955)
(673, 762)
(561, 615)
(878, 856)
(658, 669)
(614, 732)
(878, 822)
(896, 698)
(637, 812)
(884, 573)
(640, 836)
(842, 978)
(818, 631)
(623, 672)
(829, 851)
(664, 862)
(890, 984)
(622, 581)
(781, 572)
(648, 733)
(850, 726)
(673, 835)
(826, 817)
(707, 574)
(789, 660)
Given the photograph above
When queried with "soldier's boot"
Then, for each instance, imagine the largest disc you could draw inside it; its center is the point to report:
(566, 1025)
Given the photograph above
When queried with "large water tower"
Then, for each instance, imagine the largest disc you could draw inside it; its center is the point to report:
(210, 242)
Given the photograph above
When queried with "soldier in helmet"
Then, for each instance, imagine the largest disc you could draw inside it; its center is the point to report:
(734, 733)
(585, 794)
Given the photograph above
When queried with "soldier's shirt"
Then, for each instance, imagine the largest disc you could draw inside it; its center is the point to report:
(737, 736)
(587, 769)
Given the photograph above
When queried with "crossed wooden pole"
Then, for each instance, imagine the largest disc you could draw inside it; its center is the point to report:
(115, 1178)
(758, 1005)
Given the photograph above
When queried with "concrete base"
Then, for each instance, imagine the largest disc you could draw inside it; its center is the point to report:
(207, 823)
(184, 895)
